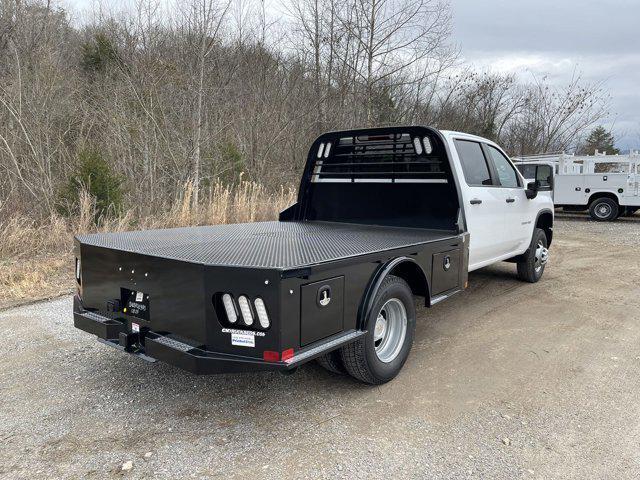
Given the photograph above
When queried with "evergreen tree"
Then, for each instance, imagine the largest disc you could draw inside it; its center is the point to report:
(599, 139)
(94, 175)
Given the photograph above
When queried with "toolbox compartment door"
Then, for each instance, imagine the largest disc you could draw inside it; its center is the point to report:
(445, 271)
(322, 309)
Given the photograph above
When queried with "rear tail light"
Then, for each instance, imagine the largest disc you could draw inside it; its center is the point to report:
(242, 311)
(78, 271)
(287, 354)
(229, 308)
(245, 309)
(270, 356)
(261, 310)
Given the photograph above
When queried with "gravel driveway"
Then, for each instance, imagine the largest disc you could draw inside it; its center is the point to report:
(508, 380)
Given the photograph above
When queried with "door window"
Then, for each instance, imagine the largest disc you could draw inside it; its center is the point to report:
(506, 173)
(474, 165)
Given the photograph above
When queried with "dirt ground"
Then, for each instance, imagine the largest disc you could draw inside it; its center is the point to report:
(508, 380)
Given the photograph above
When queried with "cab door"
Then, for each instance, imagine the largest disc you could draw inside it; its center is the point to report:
(521, 212)
(484, 205)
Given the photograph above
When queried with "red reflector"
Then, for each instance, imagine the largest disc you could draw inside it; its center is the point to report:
(287, 354)
(270, 356)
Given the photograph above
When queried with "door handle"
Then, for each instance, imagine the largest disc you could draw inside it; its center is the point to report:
(475, 201)
(511, 200)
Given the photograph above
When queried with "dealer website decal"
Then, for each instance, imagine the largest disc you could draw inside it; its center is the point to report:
(243, 332)
(243, 340)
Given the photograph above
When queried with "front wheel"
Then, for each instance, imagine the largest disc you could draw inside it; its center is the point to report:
(531, 267)
(379, 355)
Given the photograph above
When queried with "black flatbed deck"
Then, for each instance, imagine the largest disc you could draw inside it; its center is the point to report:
(279, 245)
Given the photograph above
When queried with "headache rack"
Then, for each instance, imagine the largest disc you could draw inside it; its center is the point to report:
(387, 158)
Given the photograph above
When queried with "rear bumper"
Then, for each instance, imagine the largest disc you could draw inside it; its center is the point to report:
(153, 346)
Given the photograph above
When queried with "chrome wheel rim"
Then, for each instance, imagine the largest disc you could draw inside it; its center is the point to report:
(603, 210)
(541, 257)
(390, 330)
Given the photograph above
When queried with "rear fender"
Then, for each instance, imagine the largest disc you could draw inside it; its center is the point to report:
(419, 286)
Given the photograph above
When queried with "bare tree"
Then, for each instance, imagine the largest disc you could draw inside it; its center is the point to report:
(553, 118)
(214, 90)
(392, 36)
(205, 20)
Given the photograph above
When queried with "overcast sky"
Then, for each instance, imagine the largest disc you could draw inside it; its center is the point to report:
(556, 38)
(597, 39)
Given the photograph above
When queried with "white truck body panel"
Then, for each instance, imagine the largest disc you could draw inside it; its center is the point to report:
(580, 179)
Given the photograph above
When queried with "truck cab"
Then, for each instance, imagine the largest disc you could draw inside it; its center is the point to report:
(383, 215)
(500, 209)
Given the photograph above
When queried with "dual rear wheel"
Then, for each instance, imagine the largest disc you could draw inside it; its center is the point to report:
(380, 354)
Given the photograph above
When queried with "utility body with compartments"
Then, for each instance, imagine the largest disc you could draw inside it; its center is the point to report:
(382, 215)
(608, 186)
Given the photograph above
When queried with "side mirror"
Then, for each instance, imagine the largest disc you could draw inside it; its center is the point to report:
(532, 190)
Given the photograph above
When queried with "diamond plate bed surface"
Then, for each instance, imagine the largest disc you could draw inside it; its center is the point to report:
(264, 244)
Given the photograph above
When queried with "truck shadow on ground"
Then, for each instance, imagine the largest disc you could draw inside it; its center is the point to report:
(584, 217)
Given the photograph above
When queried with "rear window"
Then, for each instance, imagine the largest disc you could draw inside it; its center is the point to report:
(474, 165)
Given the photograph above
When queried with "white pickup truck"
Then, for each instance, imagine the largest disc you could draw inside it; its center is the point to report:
(497, 198)
(382, 215)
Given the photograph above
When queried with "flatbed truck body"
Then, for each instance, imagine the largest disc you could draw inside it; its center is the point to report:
(378, 211)
(183, 272)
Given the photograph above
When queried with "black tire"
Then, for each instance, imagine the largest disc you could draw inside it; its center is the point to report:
(360, 358)
(531, 269)
(603, 209)
(332, 362)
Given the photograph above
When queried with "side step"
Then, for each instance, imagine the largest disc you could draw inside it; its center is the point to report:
(329, 344)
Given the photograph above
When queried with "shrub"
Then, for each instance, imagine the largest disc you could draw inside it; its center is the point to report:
(226, 165)
(98, 54)
(95, 177)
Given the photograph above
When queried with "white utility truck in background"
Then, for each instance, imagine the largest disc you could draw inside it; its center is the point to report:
(606, 185)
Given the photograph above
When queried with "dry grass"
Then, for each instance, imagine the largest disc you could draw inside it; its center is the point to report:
(36, 259)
